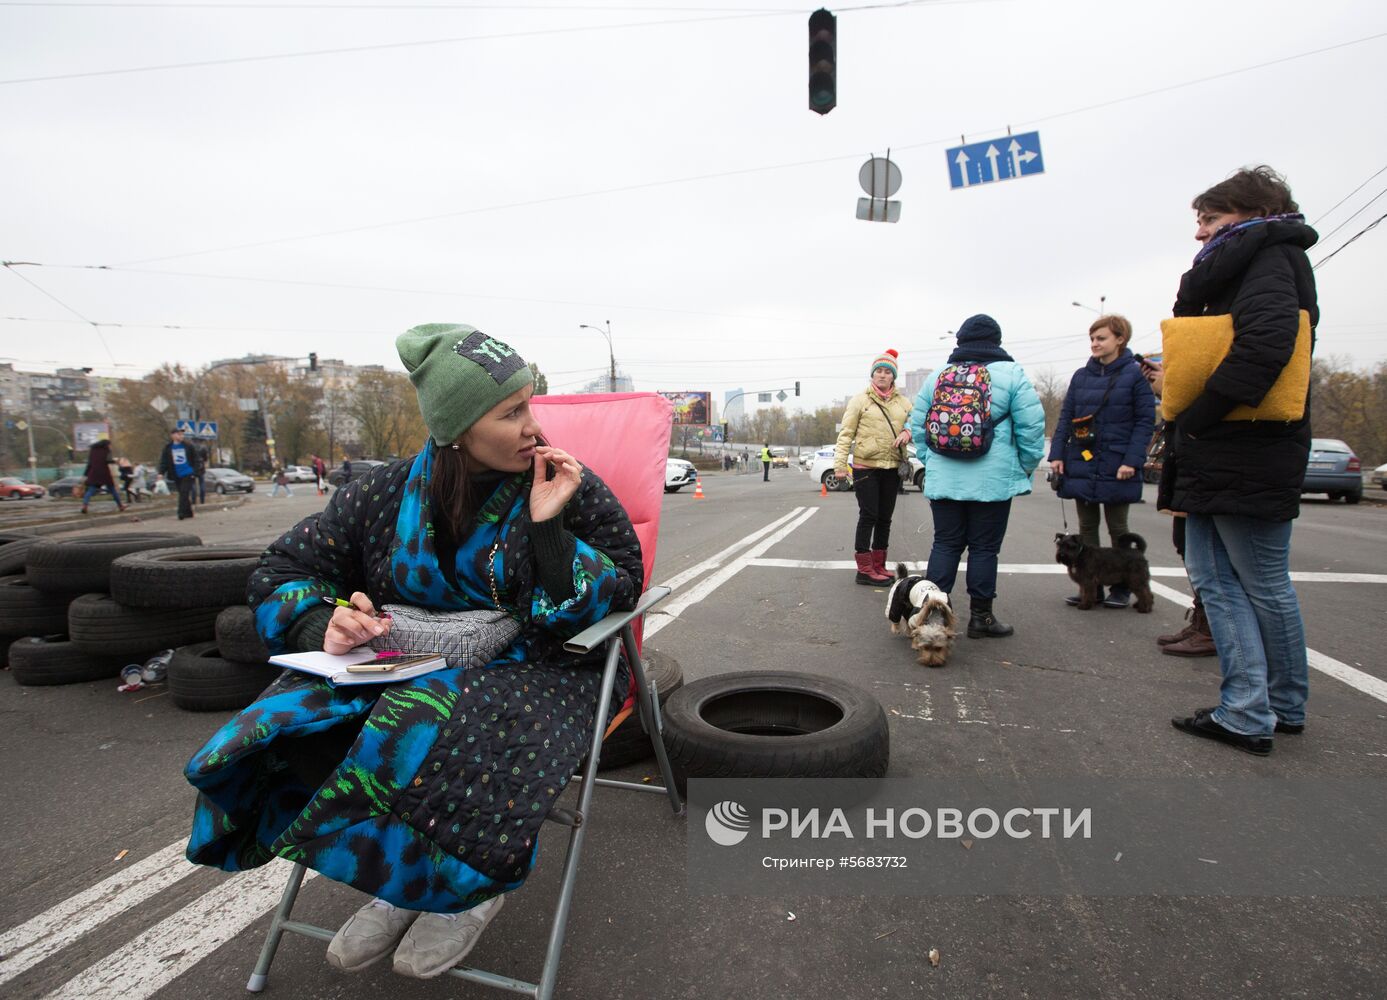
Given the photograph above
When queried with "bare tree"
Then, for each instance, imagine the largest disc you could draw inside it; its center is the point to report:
(1051, 388)
(383, 403)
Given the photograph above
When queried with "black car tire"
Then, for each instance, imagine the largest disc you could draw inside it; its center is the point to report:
(14, 550)
(1353, 496)
(674, 489)
(51, 659)
(97, 624)
(630, 742)
(25, 610)
(184, 578)
(83, 565)
(237, 637)
(221, 488)
(202, 680)
(775, 724)
(920, 480)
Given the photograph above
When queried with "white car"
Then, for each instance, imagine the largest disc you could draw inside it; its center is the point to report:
(300, 474)
(1379, 476)
(678, 474)
(821, 470)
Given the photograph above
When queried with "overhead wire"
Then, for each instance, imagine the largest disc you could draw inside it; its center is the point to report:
(9, 266)
(1361, 210)
(1372, 225)
(716, 175)
(455, 40)
(1360, 187)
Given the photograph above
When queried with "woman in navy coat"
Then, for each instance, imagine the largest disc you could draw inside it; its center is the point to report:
(1100, 442)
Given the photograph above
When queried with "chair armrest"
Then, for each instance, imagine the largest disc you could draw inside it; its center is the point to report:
(594, 635)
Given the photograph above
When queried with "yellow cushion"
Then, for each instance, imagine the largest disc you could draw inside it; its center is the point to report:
(1196, 345)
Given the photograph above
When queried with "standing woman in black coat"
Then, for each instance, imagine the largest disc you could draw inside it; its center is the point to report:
(1100, 441)
(1239, 480)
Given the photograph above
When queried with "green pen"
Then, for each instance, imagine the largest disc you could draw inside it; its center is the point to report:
(338, 602)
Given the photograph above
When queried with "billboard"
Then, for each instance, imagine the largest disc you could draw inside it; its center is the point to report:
(691, 407)
(84, 435)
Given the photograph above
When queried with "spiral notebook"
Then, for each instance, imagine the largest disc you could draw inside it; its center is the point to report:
(362, 666)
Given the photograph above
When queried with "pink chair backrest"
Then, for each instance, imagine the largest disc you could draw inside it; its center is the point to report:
(624, 438)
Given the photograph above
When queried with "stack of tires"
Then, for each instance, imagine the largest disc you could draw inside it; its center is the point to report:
(84, 608)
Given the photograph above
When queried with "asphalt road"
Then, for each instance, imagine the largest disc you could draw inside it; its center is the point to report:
(91, 773)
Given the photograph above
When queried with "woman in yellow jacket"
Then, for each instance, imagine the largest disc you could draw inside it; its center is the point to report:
(874, 434)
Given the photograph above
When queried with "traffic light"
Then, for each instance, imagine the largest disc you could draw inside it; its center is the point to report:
(312, 361)
(823, 61)
(796, 388)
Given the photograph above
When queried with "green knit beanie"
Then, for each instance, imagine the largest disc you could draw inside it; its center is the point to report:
(459, 373)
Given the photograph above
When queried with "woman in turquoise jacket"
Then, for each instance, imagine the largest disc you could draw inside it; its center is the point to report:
(970, 497)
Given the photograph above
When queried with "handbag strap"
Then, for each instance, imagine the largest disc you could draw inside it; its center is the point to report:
(894, 432)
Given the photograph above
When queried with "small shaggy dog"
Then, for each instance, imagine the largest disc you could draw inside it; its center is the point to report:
(915, 606)
(1091, 568)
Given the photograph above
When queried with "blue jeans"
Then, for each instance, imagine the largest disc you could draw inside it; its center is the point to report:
(94, 490)
(977, 525)
(1240, 566)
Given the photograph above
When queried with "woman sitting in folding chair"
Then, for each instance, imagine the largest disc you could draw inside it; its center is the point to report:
(428, 793)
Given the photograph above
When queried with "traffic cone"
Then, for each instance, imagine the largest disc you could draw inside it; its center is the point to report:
(698, 490)
(823, 489)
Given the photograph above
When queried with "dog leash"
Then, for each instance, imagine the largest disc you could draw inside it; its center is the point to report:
(1063, 519)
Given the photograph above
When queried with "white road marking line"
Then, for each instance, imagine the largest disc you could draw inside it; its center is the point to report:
(682, 602)
(34, 940)
(1048, 569)
(159, 955)
(1356, 679)
(714, 561)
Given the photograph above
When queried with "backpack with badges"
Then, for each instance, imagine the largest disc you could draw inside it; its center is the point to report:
(959, 422)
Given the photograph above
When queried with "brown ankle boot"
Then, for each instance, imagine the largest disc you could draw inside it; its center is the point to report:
(1183, 634)
(1200, 641)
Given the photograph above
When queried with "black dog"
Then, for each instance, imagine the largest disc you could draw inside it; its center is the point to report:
(1092, 568)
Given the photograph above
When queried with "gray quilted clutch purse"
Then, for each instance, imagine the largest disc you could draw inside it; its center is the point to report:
(464, 638)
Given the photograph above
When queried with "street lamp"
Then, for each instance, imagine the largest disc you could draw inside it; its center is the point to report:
(1102, 305)
(611, 355)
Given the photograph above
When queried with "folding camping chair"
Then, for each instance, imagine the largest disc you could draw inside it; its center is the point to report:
(624, 438)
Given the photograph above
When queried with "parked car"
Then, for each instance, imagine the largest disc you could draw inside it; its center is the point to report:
(300, 474)
(17, 489)
(360, 466)
(821, 471)
(1333, 469)
(68, 486)
(1380, 476)
(229, 481)
(678, 474)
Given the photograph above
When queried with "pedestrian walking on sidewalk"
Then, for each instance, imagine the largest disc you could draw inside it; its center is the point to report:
(873, 442)
(178, 464)
(98, 473)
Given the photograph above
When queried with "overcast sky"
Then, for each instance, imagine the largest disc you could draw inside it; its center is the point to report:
(539, 166)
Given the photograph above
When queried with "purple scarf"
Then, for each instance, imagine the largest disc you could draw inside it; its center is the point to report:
(1228, 232)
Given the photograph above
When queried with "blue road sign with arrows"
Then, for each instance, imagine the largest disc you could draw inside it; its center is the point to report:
(1001, 159)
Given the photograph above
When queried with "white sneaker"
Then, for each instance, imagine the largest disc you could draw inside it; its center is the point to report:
(369, 935)
(439, 941)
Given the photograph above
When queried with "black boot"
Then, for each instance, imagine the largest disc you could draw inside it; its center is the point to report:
(983, 624)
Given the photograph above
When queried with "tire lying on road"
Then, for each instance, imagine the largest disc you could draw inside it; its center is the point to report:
(51, 659)
(14, 550)
(630, 742)
(27, 611)
(201, 680)
(83, 565)
(97, 623)
(237, 638)
(183, 578)
(775, 724)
